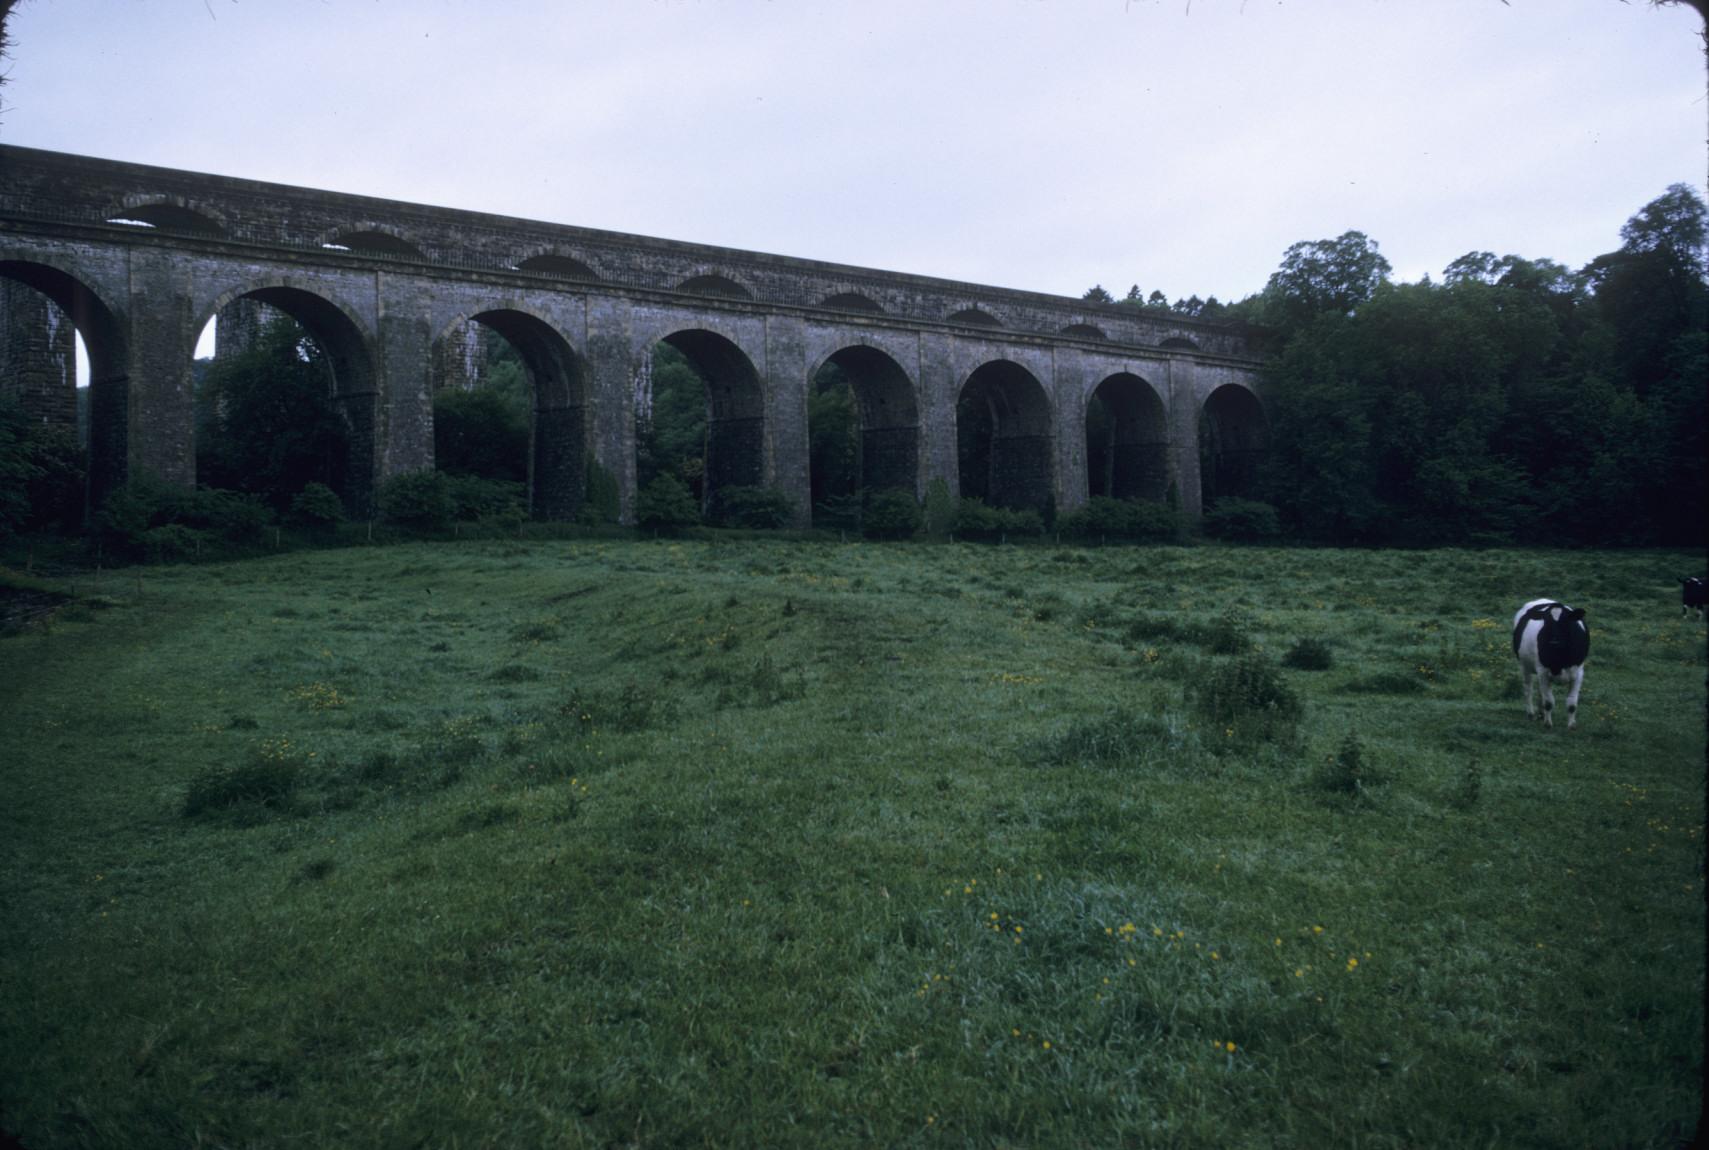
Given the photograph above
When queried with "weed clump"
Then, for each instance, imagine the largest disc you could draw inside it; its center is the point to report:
(514, 673)
(1114, 739)
(268, 778)
(1309, 655)
(631, 707)
(1345, 772)
(1247, 700)
(1470, 787)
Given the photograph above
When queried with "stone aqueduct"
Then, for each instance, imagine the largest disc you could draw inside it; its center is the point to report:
(141, 258)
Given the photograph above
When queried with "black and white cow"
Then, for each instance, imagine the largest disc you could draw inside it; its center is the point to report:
(1692, 592)
(1551, 641)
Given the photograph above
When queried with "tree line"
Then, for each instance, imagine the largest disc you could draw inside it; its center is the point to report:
(1514, 400)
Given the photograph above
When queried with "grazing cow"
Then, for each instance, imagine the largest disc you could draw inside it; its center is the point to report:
(1551, 641)
(1691, 594)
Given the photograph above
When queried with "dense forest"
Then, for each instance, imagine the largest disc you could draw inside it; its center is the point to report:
(1514, 400)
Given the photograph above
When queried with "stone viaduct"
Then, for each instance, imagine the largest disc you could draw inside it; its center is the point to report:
(141, 258)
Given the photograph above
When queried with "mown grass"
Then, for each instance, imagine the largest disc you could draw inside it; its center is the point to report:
(607, 843)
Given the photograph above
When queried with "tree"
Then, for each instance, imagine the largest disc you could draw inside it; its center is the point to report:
(670, 435)
(1325, 276)
(267, 422)
(480, 433)
(1097, 294)
(833, 437)
(1675, 223)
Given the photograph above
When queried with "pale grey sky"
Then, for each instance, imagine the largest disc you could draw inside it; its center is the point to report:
(1040, 144)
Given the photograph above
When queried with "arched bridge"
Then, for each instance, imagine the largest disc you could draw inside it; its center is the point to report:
(985, 388)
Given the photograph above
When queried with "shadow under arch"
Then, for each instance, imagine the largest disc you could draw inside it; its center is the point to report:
(354, 385)
(1127, 440)
(886, 421)
(1004, 438)
(735, 410)
(1233, 436)
(109, 356)
(558, 388)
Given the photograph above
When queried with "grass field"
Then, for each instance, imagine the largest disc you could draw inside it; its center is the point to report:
(796, 844)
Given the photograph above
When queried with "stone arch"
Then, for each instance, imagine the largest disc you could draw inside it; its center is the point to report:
(975, 317)
(109, 356)
(347, 345)
(735, 444)
(887, 418)
(1233, 435)
(1085, 331)
(1127, 440)
(1004, 437)
(557, 265)
(852, 301)
(169, 213)
(371, 239)
(715, 284)
(558, 389)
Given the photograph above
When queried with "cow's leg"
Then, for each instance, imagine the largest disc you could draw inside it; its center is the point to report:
(1546, 684)
(1577, 675)
(1525, 682)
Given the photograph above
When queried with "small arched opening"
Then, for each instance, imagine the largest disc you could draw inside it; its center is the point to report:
(1127, 440)
(1003, 438)
(1233, 434)
(852, 301)
(170, 217)
(975, 317)
(558, 266)
(373, 242)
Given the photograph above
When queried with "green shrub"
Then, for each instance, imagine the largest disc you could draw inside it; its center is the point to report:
(1309, 655)
(1246, 700)
(474, 498)
(1131, 519)
(757, 508)
(144, 504)
(317, 507)
(666, 505)
(1241, 520)
(417, 499)
(1230, 633)
(891, 514)
(171, 542)
(975, 520)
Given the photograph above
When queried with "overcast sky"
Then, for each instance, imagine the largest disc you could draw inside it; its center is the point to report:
(1040, 144)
